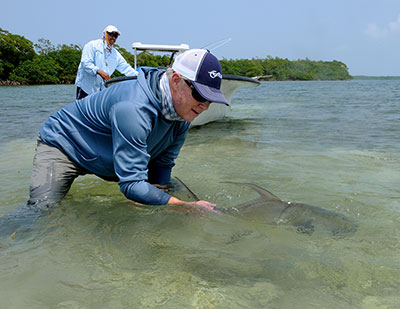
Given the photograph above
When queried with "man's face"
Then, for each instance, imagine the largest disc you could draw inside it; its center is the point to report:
(112, 37)
(186, 106)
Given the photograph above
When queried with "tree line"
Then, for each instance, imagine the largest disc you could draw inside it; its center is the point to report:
(284, 69)
(23, 62)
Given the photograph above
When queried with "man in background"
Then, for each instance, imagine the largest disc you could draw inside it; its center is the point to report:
(98, 62)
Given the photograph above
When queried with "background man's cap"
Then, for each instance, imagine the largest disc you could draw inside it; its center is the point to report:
(204, 70)
(112, 28)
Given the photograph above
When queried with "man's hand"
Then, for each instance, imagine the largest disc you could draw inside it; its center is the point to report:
(204, 205)
(201, 205)
(103, 75)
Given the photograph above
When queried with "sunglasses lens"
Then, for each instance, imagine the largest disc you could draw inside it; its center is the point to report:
(195, 93)
(113, 34)
(197, 96)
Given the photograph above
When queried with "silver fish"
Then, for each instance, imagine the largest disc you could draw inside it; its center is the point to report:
(272, 210)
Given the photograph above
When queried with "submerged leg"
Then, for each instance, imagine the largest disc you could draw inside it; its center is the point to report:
(52, 176)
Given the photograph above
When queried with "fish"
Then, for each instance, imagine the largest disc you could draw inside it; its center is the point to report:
(271, 210)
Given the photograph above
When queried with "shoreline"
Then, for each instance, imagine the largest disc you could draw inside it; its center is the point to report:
(15, 83)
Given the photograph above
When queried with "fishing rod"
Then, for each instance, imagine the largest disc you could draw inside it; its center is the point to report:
(217, 44)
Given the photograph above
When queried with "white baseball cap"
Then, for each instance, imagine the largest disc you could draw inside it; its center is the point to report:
(111, 28)
(204, 71)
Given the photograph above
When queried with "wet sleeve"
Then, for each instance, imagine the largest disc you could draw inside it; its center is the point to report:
(130, 130)
(145, 193)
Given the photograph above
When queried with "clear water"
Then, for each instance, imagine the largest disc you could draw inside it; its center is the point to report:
(330, 144)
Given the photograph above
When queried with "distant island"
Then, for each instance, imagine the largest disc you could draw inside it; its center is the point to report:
(23, 62)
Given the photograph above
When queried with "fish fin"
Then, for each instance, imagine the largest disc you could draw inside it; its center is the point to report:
(187, 188)
(263, 192)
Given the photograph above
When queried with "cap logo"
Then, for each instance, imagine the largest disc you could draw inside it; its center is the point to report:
(214, 74)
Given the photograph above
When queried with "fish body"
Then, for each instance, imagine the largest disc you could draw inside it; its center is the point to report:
(270, 209)
(306, 218)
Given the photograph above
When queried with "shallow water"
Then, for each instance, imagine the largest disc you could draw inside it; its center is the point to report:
(330, 144)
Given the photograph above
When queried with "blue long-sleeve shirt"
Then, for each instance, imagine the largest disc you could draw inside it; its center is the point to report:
(95, 57)
(119, 133)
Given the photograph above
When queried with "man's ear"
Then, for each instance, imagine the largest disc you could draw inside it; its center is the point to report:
(176, 77)
(175, 80)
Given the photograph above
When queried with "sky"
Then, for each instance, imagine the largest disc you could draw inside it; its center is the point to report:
(364, 34)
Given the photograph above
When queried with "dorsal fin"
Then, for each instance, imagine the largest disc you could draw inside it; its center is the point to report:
(187, 188)
(263, 192)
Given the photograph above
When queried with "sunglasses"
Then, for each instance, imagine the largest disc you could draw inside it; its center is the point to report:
(113, 34)
(195, 94)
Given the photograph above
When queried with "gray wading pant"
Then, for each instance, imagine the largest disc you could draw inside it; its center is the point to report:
(52, 176)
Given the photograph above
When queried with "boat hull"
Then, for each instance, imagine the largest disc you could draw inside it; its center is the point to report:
(230, 84)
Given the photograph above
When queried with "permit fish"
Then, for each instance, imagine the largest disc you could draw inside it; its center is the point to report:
(270, 209)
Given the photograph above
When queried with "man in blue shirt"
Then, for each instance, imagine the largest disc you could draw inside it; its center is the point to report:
(98, 62)
(131, 132)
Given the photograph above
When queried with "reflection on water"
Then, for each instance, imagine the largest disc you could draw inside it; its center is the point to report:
(305, 142)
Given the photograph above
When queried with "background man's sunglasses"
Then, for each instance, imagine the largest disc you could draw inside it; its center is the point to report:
(113, 34)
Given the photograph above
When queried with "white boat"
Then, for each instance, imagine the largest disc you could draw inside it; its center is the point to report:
(230, 83)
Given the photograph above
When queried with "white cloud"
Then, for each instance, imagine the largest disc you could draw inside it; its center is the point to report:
(374, 31)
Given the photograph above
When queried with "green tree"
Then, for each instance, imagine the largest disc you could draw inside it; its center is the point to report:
(150, 60)
(127, 55)
(40, 70)
(67, 58)
(44, 47)
(14, 49)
